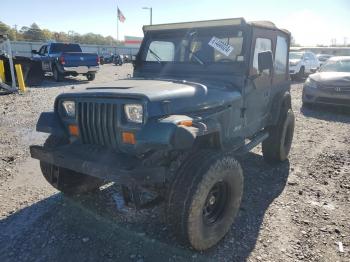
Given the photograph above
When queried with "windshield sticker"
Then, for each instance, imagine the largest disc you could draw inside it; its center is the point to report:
(220, 46)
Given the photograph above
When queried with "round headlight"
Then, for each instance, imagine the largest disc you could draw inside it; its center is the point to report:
(69, 108)
(134, 113)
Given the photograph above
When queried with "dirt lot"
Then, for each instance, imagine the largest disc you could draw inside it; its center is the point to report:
(296, 211)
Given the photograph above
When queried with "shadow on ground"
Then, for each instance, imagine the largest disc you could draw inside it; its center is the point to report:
(92, 228)
(327, 113)
(48, 81)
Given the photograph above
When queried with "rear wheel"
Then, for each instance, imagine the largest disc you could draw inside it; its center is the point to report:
(277, 146)
(205, 198)
(56, 74)
(90, 76)
(65, 180)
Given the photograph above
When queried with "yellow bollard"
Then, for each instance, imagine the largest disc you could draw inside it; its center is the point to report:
(2, 71)
(20, 79)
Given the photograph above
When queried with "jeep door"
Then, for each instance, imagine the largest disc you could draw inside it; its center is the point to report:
(257, 90)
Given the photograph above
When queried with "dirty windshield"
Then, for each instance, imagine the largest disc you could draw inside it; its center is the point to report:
(195, 47)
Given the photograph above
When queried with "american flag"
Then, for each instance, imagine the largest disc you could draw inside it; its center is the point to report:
(121, 17)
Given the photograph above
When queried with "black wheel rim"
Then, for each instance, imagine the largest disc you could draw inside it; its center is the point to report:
(215, 203)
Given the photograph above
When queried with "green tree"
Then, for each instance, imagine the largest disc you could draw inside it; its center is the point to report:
(47, 34)
(35, 33)
(6, 30)
(32, 33)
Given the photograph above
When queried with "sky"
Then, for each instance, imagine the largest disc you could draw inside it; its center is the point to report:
(311, 22)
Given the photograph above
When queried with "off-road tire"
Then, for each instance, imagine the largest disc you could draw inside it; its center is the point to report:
(56, 74)
(65, 180)
(90, 76)
(277, 146)
(188, 195)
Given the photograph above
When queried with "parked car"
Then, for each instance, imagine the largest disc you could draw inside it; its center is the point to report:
(330, 85)
(322, 58)
(302, 64)
(202, 93)
(107, 58)
(64, 59)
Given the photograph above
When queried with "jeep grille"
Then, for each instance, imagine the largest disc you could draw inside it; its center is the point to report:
(98, 123)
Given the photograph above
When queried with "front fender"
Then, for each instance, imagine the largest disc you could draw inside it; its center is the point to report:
(50, 123)
(166, 134)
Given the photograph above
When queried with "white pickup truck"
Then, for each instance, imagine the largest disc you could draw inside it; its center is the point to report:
(302, 64)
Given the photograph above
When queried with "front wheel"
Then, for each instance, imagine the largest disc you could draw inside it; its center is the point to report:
(57, 75)
(277, 146)
(204, 198)
(65, 180)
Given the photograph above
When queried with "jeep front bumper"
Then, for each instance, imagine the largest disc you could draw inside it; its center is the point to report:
(100, 162)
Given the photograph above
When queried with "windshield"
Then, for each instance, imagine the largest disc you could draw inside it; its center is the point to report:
(295, 55)
(195, 47)
(336, 66)
(323, 58)
(58, 48)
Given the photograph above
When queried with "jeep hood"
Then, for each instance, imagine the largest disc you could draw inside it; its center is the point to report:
(332, 78)
(165, 97)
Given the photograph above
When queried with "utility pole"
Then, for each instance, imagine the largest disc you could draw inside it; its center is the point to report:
(15, 26)
(71, 35)
(150, 13)
(333, 42)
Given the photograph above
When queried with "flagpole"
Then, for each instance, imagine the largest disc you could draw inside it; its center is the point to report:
(118, 29)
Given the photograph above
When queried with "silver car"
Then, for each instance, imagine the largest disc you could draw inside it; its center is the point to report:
(330, 85)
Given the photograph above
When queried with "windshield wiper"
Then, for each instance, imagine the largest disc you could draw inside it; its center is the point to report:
(155, 55)
(196, 58)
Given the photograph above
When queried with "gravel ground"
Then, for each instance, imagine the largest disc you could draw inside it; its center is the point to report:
(296, 211)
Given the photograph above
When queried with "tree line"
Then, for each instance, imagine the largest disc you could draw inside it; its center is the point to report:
(35, 33)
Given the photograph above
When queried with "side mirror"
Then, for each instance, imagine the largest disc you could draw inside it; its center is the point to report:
(265, 61)
(34, 52)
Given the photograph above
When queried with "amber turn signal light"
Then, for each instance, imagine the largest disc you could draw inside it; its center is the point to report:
(185, 123)
(73, 130)
(128, 138)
